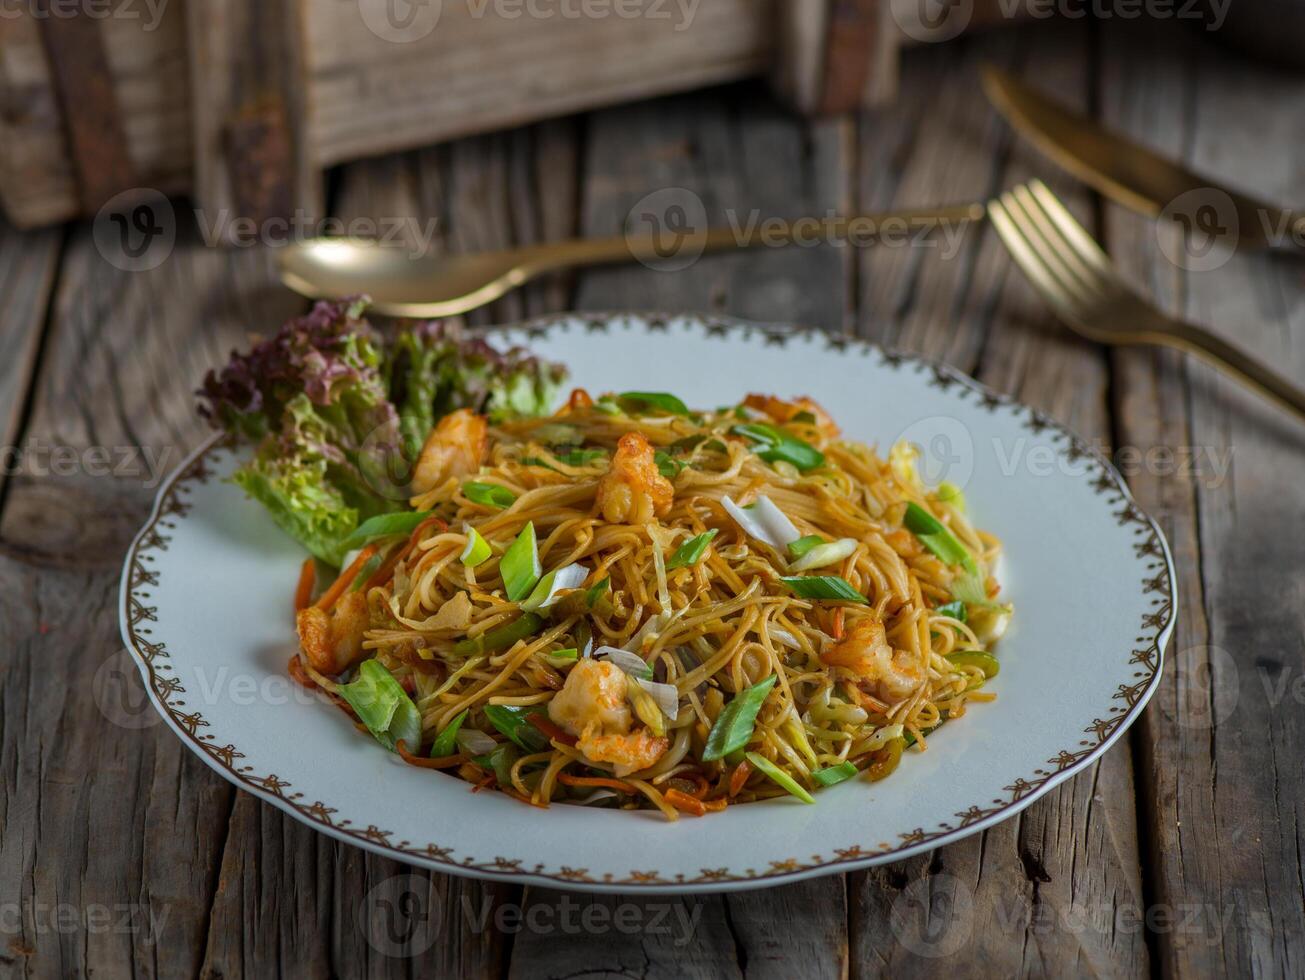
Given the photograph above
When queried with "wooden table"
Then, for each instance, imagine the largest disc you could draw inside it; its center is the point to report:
(1180, 852)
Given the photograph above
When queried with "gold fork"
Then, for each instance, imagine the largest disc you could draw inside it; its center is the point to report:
(1078, 280)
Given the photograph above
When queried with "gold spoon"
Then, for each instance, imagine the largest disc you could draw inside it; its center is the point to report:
(401, 283)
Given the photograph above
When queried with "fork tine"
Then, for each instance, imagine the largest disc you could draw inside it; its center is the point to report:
(1083, 277)
(1028, 258)
(1084, 245)
(1050, 251)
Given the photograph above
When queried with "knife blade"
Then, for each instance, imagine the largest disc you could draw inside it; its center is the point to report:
(1139, 179)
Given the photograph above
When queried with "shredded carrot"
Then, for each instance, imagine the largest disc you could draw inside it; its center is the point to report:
(616, 784)
(346, 578)
(715, 806)
(740, 777)
(549, 729)
(443, 762)
(304, 590)
(684, 802)
(838, 624)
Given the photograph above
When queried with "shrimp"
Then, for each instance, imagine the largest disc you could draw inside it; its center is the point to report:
(332, 639)
(626, 753)
(782, 411)
(592, 704)
(633, 491)
(455, 447)
(865, 652)
(594, 695)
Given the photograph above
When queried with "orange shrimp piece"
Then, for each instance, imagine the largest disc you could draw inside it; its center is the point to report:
(866, 653)
(457, 446)
(782, 411)
(633, 491)
(332, 638)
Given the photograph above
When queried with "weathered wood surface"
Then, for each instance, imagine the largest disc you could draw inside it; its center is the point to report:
(1176, 854)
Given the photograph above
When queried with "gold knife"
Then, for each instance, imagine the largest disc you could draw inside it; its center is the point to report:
(1136, 177)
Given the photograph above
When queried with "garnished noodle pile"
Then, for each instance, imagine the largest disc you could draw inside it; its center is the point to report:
(853, 682)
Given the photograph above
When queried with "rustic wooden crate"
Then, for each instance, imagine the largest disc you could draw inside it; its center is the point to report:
(243, 103)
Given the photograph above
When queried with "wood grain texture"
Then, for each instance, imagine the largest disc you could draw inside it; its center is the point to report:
(1223, 740)
(1038, 894)
(28, 264)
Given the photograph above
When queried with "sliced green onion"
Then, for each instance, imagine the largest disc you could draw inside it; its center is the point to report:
(564, 655)
(489, 495)
(477, 549)
(833, 775)
(667, 465)
(500, 760)
(367, 571)
(383, 526)
(779, 776)
(691, 552)
(825, 554)
(596, 591)
(832, 588)
(955, 609)
(514, 722)
(976, 658)
(950, 493)
(520, 566)
(801, 546)
(501, 637)
(736, 721)
(545, 593)
(659, 400)
(446, 742)
(933, 534)
(382, 704)
(773, 444)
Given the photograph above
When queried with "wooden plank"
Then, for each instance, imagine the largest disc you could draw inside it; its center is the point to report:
(27, 269)
(727, 156)
(1035, 895)
(1220, 745)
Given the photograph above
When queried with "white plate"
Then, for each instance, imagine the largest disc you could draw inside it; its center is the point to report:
(206, 600)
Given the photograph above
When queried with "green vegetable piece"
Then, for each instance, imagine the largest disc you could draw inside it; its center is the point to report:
(779, 776)
(659, 400)
(500, 760)
(514, 722)
(384, 707)
(501, 637)
(520, 566)
(367, 571)
(476, 550)
(597, 591)
(383, 526)
(489, 495)
(955, 609)
(691, 552)
(801, 546)
(565, 654)
(831, 588)
(976, 658)
(667, 465)
(773, 444)
(833, 775)
(446, 742)
(580, 457)
(734, 725)
(934, 535)
(950, 493)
